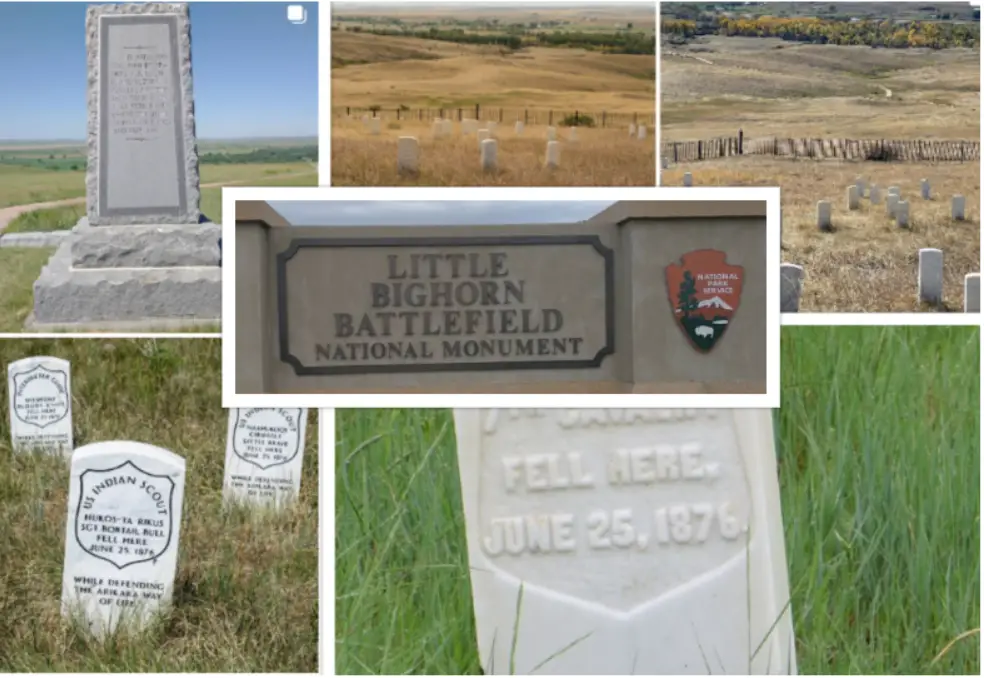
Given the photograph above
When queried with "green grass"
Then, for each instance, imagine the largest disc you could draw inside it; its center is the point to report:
(20, 185)
(879, 473)
(48, 219)
(65, 217)
(19, 268)
(246, 592)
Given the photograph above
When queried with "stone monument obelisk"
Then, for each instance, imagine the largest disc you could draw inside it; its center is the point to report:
(144, 256)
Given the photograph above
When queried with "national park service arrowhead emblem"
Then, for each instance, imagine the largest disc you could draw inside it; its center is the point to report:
(704, 292)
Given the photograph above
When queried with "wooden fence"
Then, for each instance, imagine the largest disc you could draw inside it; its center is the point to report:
(884, 150)
(529, 116)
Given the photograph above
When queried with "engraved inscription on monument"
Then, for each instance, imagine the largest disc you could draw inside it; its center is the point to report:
(140, 93)
(266, 437)
(141, 104)
(124, 526)
(264, 455)
(124, 514)
(41, 396)
(40, 400)
(442, 304)
(565, 501)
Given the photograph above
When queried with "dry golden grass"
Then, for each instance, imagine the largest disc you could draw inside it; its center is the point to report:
(426, 74)
(867, 263)
(600, 157)
(773, 88)
(434, 74)
(611, 13)
(246, 588)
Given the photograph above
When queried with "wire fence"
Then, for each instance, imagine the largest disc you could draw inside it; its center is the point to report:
(529, 116)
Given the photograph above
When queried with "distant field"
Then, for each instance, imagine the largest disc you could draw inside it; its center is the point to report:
(867, 263)
(768, 87)
(65, 216)
(26, 185)
(610, 14)
(393, 72)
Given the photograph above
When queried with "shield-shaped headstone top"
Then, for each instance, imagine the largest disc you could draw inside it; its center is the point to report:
(264, 454)
(627, 541)
(124, 520)
(40, 399)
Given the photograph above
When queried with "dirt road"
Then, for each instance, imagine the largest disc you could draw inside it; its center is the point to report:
(8, 214)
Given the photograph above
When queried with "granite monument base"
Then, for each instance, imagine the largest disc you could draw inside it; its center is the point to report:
(131, 278)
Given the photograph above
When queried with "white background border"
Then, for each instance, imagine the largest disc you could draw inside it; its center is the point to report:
(231, 399)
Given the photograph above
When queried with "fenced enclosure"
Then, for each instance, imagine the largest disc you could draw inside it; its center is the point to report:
(883, 150)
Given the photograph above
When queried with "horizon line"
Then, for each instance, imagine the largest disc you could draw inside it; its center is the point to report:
(200, 139)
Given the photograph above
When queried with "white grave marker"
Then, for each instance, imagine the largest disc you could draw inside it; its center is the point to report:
(823, 215)
(957, 208)
(375, 126)
(632, 129)
(930, 275)
(551, 133)
(40, 395)
(641, 132)
(972, 293)
(891, 204)
(790, 287)
(264, 455)
(641, 541)
(688, 179)
(489, 153)
(121, 543)
(874, 195)
(519, 127)
(553, 154)
(407, 155)
(852, 197)
(902, 213)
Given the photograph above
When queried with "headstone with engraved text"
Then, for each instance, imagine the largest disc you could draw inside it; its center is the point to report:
(626, 541)
(121, 542)
(40, 399)
(264, 455)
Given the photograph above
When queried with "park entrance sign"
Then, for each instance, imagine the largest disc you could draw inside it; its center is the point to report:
(593, 306)
(616, 542)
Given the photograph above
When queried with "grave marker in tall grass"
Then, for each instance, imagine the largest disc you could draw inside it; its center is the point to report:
(625, 541)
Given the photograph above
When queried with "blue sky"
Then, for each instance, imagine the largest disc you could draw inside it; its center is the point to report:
(255, 74)
(435, 213)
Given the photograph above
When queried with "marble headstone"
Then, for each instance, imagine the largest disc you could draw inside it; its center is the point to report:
(143, 159)
(121, 543)
(264, 455)
(40, 401)
(640, 542)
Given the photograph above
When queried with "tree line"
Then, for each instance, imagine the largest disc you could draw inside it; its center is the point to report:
(871, 33)
(621, 42)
